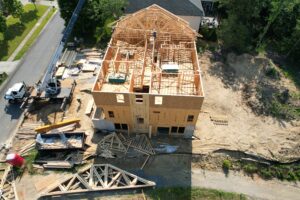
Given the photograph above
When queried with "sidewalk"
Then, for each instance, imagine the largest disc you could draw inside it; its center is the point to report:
(239, 183)
(15, 53)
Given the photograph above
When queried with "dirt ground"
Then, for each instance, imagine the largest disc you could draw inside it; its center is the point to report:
(263, 136)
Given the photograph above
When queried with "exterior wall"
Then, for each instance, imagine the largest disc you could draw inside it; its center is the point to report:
(173, 112)
(194, 21)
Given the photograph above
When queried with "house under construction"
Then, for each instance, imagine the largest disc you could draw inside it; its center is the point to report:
(150, 78)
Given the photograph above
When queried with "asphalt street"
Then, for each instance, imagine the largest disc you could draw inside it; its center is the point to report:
(30, 70)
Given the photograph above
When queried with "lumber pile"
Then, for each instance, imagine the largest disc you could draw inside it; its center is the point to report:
(89, 152)
(27, 148)
(58, 165)
(27, 131)
(7, 185)
(219, 120)
(66, 128)
(102, 177)
(89, 107)
(47, 128)
(88, 67)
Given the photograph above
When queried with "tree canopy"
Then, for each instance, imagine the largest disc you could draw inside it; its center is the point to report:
(9, 7)
(94, 16)
(247, 25)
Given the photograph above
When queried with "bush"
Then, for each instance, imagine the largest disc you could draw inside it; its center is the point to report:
(291, 176)
(265, 173)
(209, 34)
(226, 164)
(297, 173)
(250, 168)
(3, 76)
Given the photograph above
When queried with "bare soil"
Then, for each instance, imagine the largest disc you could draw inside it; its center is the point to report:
(246, 131)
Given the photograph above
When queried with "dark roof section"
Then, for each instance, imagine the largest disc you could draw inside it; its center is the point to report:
(177, 7)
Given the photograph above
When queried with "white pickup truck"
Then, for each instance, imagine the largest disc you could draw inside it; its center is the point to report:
(17, 93)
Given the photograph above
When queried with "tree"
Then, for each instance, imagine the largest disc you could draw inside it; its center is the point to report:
(12, 7)
(241, 23)
(93, 18)
(246, 25)
(9, 7)
(2, 23)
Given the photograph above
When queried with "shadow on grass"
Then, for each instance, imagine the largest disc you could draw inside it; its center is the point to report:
(15, 30)
(29, 16)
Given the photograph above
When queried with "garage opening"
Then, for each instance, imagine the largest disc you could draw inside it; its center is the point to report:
(163, 130)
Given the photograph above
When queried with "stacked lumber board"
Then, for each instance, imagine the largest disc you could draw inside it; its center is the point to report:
(47, 128)
(27, 148)
(89, 107)
(58, 165)
(66, 128)
(219, 120)
(27, 131)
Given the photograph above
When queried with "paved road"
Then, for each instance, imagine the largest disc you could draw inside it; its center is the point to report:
(30, 71)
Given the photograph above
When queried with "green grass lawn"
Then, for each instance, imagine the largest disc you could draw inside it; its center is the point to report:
(35, 34)
(17, 29)
(179, 193)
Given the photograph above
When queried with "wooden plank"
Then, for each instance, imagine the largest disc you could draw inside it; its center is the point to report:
(89, 107)
(45, 182)
(58, 165)
(60, 71)
(145, 162)
(46, 128)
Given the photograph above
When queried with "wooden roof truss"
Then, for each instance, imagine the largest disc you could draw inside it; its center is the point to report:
(98, 177)
(7, 187)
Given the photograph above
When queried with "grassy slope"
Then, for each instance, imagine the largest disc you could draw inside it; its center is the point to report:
(35, 34)
(17, 29)
(192, 193)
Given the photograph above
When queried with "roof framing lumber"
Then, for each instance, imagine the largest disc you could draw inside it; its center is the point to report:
(98, 177)
(7, 186)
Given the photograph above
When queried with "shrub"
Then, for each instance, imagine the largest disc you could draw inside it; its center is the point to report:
(250, 168)
(265, 173)
(291, 176)
(226, 164)
(209, 34)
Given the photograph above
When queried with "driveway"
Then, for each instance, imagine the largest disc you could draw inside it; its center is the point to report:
(30, 70)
